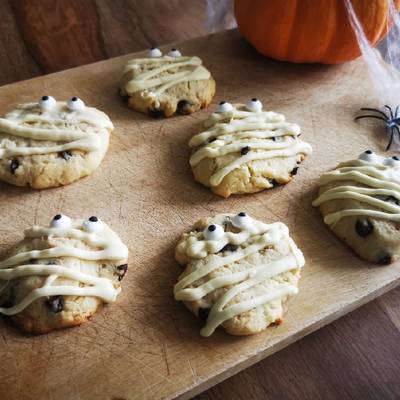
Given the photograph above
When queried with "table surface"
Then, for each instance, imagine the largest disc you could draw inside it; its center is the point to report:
(356, 357)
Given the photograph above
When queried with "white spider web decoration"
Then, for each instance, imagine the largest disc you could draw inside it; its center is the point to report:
(383, 62)
(220, 15)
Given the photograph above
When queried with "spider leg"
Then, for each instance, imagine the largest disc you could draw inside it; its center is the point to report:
(396, 128)
(372, 116)
(375, 110)
(390, 111)
(391, 139)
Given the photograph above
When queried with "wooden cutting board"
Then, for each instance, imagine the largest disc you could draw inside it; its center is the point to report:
(147, 346)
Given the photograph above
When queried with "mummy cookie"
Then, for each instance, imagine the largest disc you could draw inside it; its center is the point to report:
(360, 202)
(162, 85)
(244, 149)
(60, 274)
(238, 274)
(52, 143)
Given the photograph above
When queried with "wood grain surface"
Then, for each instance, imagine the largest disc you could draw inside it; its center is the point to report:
(356, 357)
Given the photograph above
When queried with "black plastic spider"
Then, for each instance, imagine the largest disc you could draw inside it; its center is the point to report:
(392, 121)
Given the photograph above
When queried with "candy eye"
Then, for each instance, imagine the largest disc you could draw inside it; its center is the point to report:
(174, 53)
(241, 220)
(213, 232)
(47, 102)
(224, 107)
(75, 104)
(254, 105)
(154, 53)
(368, 155)
(60, 221)
(93, 224)
(392, 161)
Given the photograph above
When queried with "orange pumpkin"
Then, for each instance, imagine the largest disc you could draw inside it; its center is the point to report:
(310, 30)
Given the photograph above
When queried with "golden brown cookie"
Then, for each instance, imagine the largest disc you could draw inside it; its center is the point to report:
(59, 275)
(164, 85)
(244, 149)
(50, 143)
(238, 273)
(360, 202)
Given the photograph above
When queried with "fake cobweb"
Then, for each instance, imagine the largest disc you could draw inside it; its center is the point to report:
(383, 62)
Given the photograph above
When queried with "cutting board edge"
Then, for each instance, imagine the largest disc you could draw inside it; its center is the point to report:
(313, 327)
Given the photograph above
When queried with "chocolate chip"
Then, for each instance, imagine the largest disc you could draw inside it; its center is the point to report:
(184, 107)
(13, 166)
(273, 182)
(10, 299)
(122, 271)
(55, 303)
(66, 155)
(54, 262)
(93, 219)
(294, 171)
(385, 259)
(392, 199)
(244, 150)
(364, 227)
(229, 247)
(125, 98)
(203, 313)
(155, 113)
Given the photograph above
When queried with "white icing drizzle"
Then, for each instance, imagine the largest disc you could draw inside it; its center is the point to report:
(264, 135)
(377, 176)
(253, 237)
(162, 72)
(17, 123)
(110, 248)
